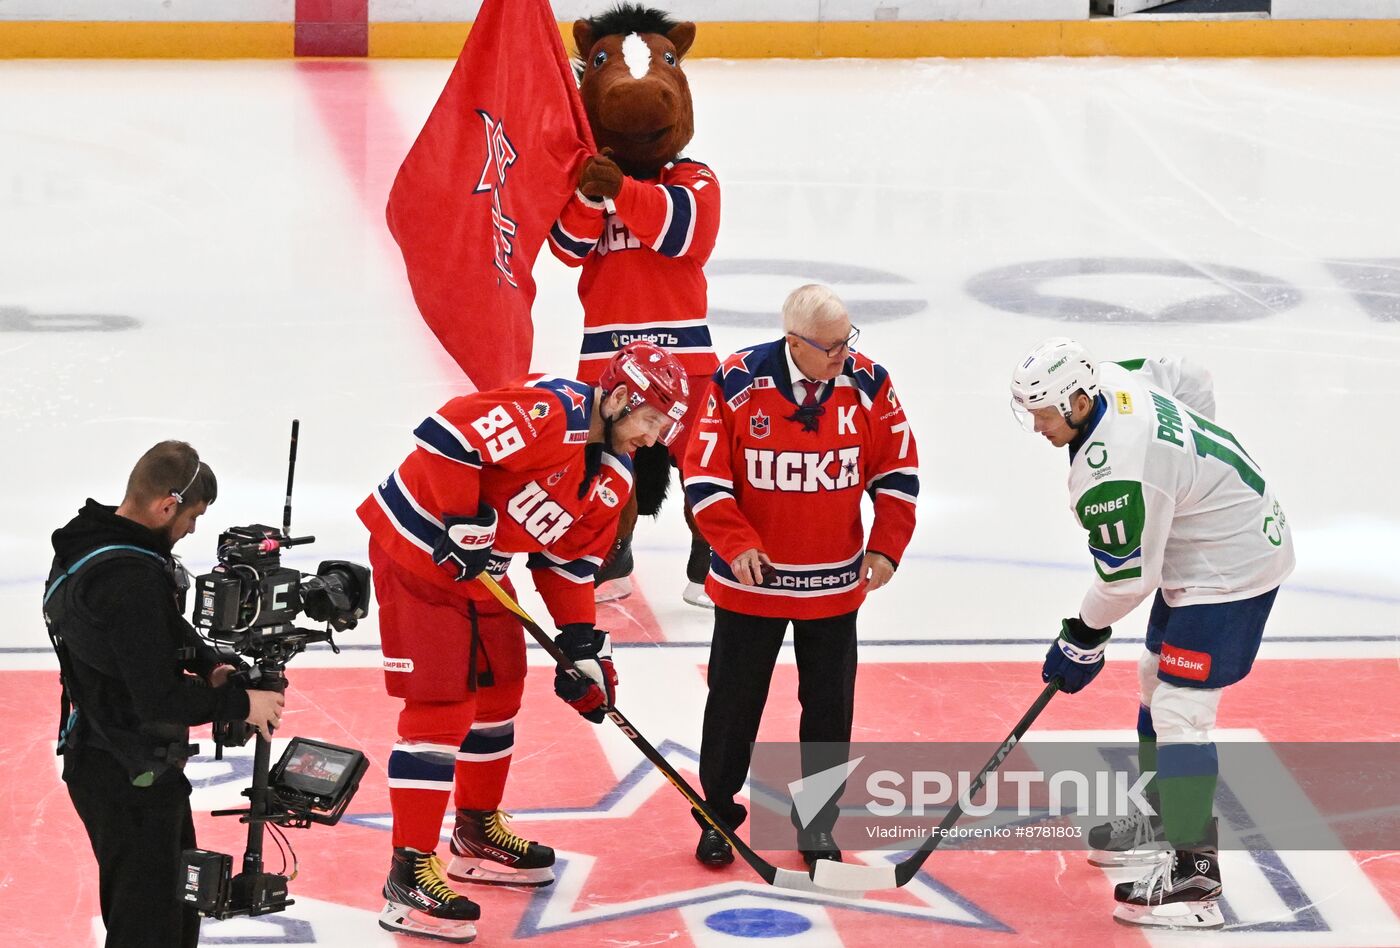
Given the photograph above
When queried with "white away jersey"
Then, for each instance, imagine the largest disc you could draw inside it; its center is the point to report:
(1170, 499)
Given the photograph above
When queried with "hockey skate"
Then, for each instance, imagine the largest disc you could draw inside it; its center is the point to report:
(485, 851)
(418, 901)
(614, 578)
(1181, 892)
(1130, 841)
(697, 567)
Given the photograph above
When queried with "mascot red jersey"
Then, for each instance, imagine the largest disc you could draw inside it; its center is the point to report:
(641, 226)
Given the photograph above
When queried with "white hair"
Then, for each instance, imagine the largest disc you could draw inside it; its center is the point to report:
(810, 307)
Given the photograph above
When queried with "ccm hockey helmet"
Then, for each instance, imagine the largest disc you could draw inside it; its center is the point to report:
(1049, 376)
(652, 376)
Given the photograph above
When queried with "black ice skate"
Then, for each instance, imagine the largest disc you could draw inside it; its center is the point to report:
(1130, 841)
(614, 578)
(697, 567)
(484, 850)
(1181, 892)
(420, 902)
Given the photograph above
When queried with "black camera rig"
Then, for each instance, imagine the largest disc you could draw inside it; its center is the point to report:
(249, 603)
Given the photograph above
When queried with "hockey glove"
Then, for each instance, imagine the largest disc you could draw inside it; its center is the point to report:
(465, 546)
(591, 689)
(1076, 656)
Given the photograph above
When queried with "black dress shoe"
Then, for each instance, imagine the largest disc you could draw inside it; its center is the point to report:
(713, 849)
(818, 844)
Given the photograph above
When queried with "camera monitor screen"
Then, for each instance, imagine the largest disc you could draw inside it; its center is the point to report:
(316, 769)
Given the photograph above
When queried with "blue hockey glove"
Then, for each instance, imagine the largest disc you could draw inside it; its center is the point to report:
(590, 690)
(1076, 656)
(465, 545)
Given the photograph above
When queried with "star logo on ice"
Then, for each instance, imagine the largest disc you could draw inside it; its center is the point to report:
(643, 796)
(500, 155)
(597, 883)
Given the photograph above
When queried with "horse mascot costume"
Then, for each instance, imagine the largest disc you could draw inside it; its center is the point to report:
(641, 225)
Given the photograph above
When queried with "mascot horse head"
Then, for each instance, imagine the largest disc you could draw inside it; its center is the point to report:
(633, 87)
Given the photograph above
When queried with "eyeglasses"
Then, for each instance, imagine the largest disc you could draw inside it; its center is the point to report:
(831, 351)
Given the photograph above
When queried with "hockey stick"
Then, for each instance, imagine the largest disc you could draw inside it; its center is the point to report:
(830, 874)
(771, 874)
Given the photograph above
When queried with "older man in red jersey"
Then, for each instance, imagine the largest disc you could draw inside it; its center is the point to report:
(790, 434)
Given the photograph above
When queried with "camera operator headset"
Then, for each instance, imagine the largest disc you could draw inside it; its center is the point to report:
(135, 678)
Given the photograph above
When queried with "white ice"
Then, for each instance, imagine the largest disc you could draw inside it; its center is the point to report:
(212, 203)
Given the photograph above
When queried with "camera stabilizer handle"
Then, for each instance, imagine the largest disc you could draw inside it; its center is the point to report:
(255, 892)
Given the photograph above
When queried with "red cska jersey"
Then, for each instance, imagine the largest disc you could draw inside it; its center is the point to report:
(521, 450)
(756, 478)
(642, 276)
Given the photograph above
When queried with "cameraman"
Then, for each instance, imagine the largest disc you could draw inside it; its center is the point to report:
(137, 677)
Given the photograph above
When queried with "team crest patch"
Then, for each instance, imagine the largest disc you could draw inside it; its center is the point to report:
(607, 495)
(398, 664)
(759, 424)
(539, 410)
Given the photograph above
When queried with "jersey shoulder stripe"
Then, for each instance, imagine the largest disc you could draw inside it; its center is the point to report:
(680, 221)
(437, 435)
(736, 374)
(576, 400)
(408, 518)
(867, 375)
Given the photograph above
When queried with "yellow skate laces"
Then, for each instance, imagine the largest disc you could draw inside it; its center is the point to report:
(498, 831)
(430, 878)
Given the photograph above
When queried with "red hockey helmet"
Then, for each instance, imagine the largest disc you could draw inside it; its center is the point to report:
(652, 376)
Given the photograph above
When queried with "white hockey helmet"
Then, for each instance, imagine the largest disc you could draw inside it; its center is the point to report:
(1050, 375)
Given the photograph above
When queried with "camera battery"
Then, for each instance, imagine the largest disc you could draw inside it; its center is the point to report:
(217, 601)
(205, 881)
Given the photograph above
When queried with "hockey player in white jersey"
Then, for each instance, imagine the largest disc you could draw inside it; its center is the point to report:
(1173, 505)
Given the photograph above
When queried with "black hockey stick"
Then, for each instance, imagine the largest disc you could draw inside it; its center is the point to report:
(771, 874)
(830, 874)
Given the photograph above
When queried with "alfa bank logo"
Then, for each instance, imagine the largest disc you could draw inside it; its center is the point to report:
(1184, 663)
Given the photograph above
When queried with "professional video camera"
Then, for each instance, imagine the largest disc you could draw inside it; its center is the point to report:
(249, 602)
(250, 591)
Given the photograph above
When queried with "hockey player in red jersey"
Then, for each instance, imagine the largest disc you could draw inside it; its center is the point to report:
(790, 434)
(641, 226)
(541, 468)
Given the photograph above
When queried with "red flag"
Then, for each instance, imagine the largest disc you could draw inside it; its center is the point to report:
(493, 166)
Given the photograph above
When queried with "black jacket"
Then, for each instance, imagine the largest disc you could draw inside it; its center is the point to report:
(128, 669)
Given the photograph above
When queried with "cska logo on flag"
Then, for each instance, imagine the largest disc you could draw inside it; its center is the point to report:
(759, 424)
(500, 155)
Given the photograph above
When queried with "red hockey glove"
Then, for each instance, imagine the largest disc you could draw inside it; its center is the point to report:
(591, 689)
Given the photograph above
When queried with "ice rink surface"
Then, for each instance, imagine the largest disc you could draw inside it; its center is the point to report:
(197, 251)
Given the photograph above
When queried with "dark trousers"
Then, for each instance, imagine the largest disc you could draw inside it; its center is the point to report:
(137, 836)
(742, 655)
